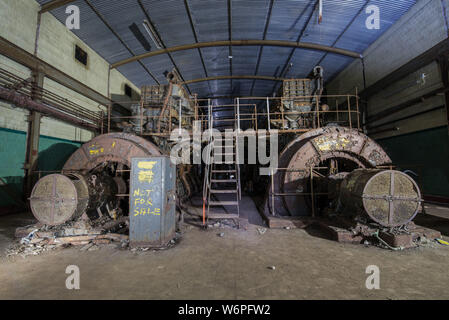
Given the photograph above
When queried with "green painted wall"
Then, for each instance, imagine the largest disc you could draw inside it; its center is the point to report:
(426, 153)
(12, 157)
(53, 153)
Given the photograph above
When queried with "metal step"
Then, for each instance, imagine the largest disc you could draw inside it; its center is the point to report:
(223, 203)
(222, 191)
(222, 216)
(226, 139)
(224, 171)
(221, 145)
(218, 147)
(224, 154)
(220, 180)
(228, 163)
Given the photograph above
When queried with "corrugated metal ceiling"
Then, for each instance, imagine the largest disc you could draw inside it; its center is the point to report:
(343, 26)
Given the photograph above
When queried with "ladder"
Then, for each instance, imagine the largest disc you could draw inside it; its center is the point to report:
(221, 187)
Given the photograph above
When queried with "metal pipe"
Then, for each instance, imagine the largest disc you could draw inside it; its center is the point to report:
(28, 103)
(268, 113)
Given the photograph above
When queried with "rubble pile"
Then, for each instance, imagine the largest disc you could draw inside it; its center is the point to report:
(38, 238)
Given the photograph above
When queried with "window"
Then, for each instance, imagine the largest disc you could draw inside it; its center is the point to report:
(80, 55)
(128, 91)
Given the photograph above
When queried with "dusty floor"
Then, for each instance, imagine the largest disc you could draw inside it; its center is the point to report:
(235, 266)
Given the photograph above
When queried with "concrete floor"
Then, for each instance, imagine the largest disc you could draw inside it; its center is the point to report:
(235, 266)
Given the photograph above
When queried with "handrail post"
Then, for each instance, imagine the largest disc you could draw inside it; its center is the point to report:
(357, 106)
(311, 190)
(349, 112)
(180, 115)
(268, 114)
(141, 117)
(238, 113)
(237, 155)
(255, 116)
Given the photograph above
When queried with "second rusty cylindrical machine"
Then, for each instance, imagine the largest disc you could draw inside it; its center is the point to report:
(388, 197)
(299, 165)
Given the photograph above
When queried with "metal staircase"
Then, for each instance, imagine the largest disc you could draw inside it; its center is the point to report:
(221, 188)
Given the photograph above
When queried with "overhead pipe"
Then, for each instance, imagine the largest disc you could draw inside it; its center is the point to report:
(27, 103)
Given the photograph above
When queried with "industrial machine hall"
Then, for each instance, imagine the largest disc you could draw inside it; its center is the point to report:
(232, 150)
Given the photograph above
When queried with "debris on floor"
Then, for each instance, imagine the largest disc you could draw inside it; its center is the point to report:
(170, 244)
(38, 238)
(224, 223)
(25, 250)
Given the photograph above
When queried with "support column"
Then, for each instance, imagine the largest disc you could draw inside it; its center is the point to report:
(443, 62)
(32, 146)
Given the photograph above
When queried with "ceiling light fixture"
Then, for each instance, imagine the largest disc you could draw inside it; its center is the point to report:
(153, 35)
(320, 11)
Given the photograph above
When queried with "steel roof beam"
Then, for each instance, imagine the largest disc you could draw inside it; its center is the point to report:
(27, 59)
(162, 42)
(50, 5)
(189, 14)
(106, 23)
(255, 77)
(303, 30)
(230, 39)
(224, 43)
(259, 57)
(343, 32)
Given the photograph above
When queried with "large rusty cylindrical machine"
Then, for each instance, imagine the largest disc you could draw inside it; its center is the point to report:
(389, 197)
(58, 198)
(95, 179)
(318, 154)
(339, 169)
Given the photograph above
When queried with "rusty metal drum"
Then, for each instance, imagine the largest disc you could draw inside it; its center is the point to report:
(111, 147)
(59, 198)
(389, 197)
(313, 149)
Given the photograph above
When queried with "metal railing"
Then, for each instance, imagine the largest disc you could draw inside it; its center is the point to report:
(237, 155)
(208, 171)
(337, 109)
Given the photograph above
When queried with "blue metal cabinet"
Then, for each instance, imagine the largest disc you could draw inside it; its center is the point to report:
(152, 202)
